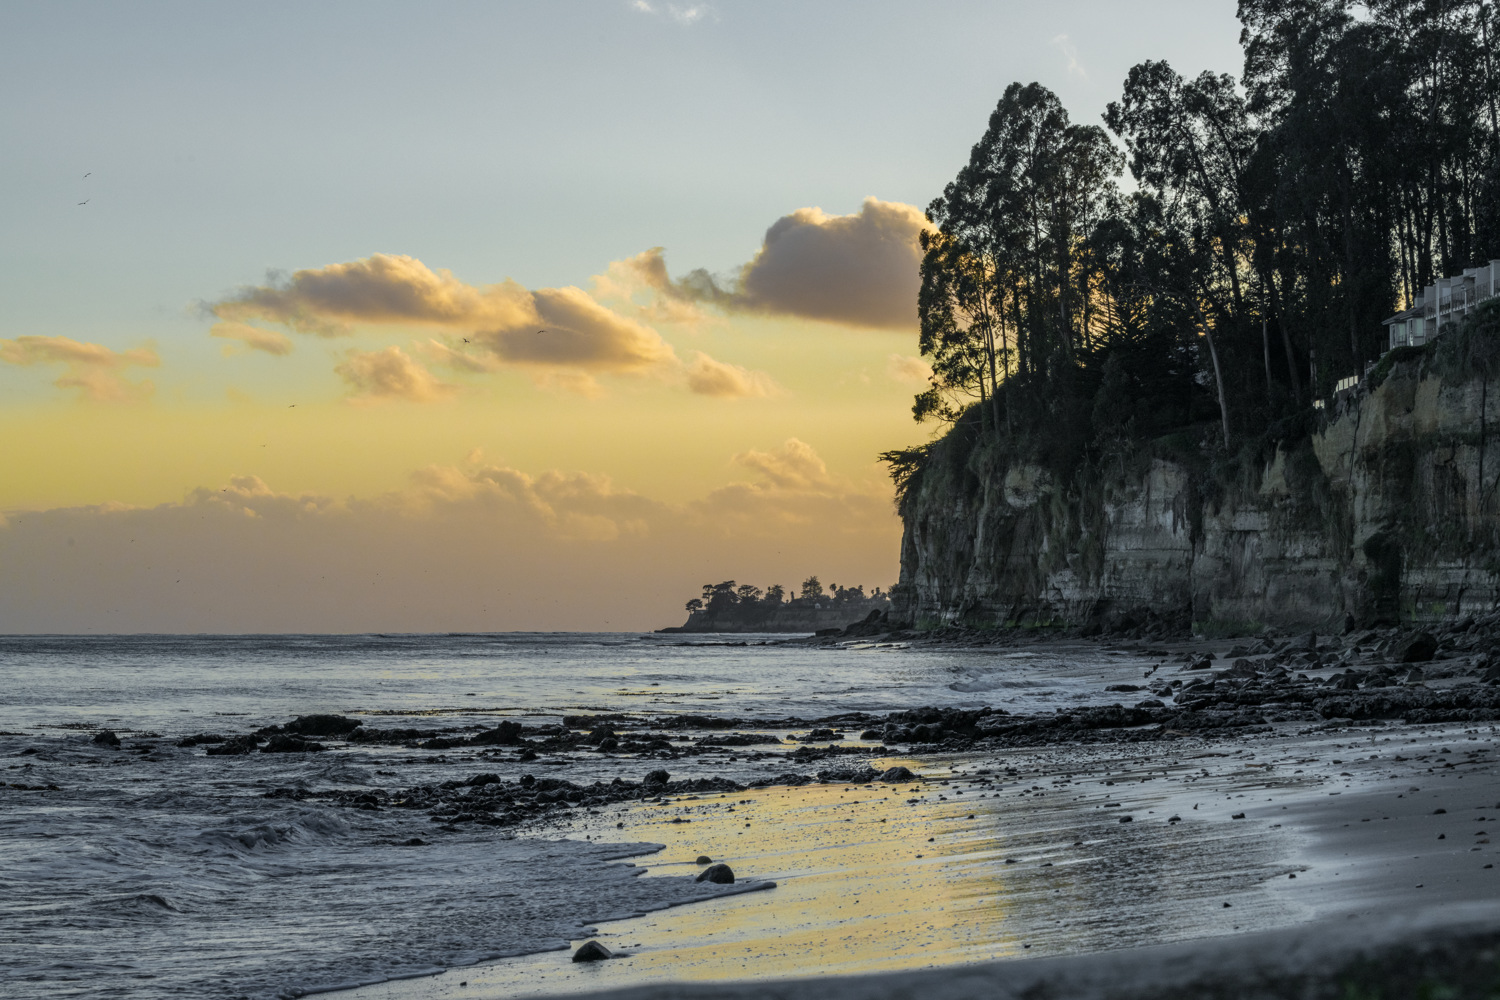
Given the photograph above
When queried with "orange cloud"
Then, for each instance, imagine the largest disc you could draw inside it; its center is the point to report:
(860, 269)
(93, 369)
(708, 377)
(906, 369)
(391, 374)
(563, 336)
(253, 337)
(795, 465)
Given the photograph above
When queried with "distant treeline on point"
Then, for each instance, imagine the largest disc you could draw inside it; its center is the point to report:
(719, 598)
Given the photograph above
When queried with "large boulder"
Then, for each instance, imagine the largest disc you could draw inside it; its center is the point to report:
(317, 725)
(282, 743)
(720, 873)
(1417, 648)
(506, 734)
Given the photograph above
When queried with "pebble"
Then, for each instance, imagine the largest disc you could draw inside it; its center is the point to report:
(592, 951)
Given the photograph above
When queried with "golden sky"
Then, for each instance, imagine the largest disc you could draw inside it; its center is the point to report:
(380, 445)
(512, 316)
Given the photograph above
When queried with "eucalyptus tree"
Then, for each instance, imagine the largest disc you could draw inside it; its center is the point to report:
(1007, 278)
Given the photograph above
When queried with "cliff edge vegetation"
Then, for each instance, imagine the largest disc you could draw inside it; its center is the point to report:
(1177, 395)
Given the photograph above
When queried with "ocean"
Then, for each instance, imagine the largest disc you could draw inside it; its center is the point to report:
(152, 870)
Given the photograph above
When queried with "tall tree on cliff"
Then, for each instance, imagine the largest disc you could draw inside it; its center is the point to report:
(1008, 287)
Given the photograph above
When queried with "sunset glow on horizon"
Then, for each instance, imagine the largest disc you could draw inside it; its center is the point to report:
(531, 317)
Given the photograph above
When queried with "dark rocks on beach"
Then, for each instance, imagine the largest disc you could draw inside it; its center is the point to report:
(364, 734)
(592, 951)
(105, 738)
(315, 725)
(198, 739)
(1419, 648)
(719, 873)
(507, 733)
(283, 743)
(704, 859)
(897, 774)
(657, 777)
(235, 746)
(738, 740)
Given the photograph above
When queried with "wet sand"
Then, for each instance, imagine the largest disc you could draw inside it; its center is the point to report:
(1004, 856)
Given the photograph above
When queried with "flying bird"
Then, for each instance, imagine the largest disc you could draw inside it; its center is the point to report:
(292, 406)
(90, 172)
(466, 340)
(541, 331)
(84, 202)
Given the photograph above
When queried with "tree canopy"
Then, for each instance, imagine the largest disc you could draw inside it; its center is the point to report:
(1273, 222)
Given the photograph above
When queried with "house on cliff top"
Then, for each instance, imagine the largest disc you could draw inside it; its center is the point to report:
(1442, 305)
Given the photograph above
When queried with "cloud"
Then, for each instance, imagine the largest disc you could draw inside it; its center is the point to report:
(563, 336)
(391, 374)
(860, 269)
(646, 272)
(908, 370)
(1070, 52)
(794, 465)
(476, 546)
(253, 337)
(681, 13)
(708, 377)
(93, 369)
(379, 289)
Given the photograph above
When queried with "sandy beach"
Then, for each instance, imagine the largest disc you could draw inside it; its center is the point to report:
(1003, 869)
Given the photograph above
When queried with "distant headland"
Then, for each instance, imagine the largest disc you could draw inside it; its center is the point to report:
(725, 607)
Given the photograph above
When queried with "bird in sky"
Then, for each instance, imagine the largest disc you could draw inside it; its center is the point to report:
(292, 406)
(541, 331)
(88, 174)
(84, 202)
(466, 340)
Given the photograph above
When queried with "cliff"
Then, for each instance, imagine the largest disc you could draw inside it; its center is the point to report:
(1382, 506)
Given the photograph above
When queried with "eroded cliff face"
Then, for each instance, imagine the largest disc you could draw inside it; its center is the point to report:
(1387, 510)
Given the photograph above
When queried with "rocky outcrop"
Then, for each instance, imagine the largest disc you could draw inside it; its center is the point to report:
(1386, 509)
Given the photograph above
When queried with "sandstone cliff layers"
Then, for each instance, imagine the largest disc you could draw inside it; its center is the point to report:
(1386, 509)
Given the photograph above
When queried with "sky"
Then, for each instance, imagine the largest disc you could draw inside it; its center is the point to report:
(482, 316)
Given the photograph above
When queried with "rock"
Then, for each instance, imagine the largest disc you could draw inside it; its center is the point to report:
(1418, 648)
(1123, 687)
(506, 734)
(592, 951)
(1150, 703)
(1415, 676)
(720, 873)
(656, 777)
(488, 778)
(704, 859)
(897, 774)
(316, 725)
(234, 747)
(291, 744)
(872, 734)
(105, 738)
(200, 738)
